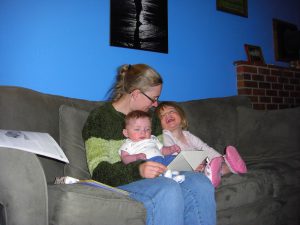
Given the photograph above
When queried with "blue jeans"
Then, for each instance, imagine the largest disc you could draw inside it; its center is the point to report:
(167, 202)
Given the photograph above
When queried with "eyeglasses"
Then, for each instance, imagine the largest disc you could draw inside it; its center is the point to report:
(151, 99)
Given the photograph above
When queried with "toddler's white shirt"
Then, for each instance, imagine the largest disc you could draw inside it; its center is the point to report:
(193, 143)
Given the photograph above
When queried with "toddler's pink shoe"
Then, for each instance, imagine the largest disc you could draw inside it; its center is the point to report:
(213, 170)
(234, 161)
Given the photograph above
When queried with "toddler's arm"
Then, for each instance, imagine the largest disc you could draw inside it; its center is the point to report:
(169, 150)
(127, 158)
(168, 140)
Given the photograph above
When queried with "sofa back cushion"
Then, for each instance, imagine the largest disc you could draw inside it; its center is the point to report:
(214, 120)
(28, 110)
(71, 122)
(268, 134)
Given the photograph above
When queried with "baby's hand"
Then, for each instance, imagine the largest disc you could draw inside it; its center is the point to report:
(175, 148)
(141, 156)
(169, 150)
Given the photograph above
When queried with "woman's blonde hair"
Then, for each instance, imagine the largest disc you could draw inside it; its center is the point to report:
(163, 105)
(133, 77)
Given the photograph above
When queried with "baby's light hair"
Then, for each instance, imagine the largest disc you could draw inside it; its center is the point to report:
(136, 114)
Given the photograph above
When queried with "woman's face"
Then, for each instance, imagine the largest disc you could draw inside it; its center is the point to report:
(170, 118)
(148, 99)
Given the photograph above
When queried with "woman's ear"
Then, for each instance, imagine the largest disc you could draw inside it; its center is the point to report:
(135, 93)
(125, 133)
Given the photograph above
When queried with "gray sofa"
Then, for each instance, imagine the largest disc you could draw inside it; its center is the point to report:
(269, 141)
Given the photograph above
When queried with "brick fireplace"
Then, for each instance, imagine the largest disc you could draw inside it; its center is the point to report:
(268, 86)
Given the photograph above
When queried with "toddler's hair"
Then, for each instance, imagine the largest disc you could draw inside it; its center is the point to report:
(163, 105)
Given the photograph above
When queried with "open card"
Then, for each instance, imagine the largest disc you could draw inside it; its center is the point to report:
(187, 160)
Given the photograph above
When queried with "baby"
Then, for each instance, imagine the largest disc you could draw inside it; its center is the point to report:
(141, 145)
(174, 124)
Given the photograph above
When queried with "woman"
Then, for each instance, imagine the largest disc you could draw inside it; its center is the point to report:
(138, 87)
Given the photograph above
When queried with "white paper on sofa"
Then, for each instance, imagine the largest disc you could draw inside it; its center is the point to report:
(34, 142)
(187, 160)
(93, 183)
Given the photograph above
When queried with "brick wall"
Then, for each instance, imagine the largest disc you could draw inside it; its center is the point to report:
(268, 87)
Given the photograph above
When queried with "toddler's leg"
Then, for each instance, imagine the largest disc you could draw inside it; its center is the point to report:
(213, 170)
(234, 161)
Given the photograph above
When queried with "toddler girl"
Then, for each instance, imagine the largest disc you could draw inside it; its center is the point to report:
(174, 124)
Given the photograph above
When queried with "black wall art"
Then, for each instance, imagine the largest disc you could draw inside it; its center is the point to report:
(139, 24)
(286, 41)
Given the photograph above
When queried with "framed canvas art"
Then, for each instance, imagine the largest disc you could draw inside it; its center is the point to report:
(237, 7)
(286, 41)
(139, 24)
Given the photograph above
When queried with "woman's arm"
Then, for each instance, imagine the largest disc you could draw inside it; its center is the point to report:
(118, 174)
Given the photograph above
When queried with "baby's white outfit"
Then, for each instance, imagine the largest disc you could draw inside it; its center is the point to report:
(150, 147)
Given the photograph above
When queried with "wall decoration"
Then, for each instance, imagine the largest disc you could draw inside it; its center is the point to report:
(237, 7)
(254, 54)
(286, 41)
(139, 24)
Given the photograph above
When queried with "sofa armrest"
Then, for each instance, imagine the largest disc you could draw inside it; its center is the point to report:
(23, 188)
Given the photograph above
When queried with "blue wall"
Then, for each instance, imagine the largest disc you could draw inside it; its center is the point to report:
(62, 46)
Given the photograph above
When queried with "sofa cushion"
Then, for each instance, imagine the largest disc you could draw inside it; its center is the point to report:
(268, 134)
(238, 190)
(71, 122)
(264, 212)
(77, 204)
(214, 120)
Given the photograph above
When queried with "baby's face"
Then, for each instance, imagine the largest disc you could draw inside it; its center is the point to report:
(170, 118)
(138, 129)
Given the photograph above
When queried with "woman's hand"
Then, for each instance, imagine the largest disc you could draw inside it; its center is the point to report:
(151, 169)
